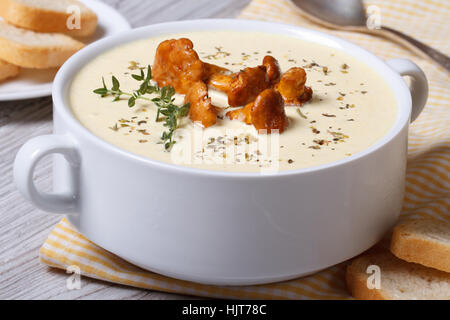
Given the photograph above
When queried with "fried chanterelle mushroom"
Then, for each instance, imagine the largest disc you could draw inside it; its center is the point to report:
(292, 87)
(200, 109)
(272, 69)
(177, 65)
(244, 86)
(242, 114)
(262, 89)
(218, 77)
(265, 113)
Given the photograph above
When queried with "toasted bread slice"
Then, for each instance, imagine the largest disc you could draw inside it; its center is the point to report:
(424, 241)
(59, 16)
(8, 70)
(31, 49)
(400, 280)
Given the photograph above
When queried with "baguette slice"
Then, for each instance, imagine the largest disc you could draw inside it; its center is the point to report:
(30, 49)
(424, 241)
(49, 16)
(400, 280)
(8, 70)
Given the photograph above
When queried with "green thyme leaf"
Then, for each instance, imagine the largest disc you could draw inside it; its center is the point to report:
(131, 102)
(116, 84)
(136, 77)
(164, 102)
(149, 73)
(101, 91)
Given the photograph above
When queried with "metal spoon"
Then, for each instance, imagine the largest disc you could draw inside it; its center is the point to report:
(350, 15)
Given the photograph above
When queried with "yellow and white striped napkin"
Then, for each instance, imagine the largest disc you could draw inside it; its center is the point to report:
(428, 175)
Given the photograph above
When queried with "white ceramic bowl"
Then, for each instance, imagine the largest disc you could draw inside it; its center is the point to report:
(218, 227)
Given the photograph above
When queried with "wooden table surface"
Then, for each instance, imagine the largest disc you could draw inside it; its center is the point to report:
(23, 228)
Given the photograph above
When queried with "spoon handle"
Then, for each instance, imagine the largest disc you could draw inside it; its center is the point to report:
(423, 49)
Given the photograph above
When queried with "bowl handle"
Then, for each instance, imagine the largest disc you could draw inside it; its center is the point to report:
(418, 86)
(26, 160)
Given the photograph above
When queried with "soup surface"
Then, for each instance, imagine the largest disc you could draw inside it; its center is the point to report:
(351, 108)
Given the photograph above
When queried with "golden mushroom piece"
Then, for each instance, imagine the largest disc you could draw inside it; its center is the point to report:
(292, 87)
(263, 90)
(265, 113)
(201, 110)
(244, 86)
(178, 65)
(272, 69)
(218, 77)
(243, 114)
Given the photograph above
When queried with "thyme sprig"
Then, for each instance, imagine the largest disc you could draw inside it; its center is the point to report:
(164, 101)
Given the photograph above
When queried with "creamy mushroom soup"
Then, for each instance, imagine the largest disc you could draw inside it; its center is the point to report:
(351, 107)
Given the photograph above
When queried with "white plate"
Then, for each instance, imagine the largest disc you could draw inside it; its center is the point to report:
(34, 83)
